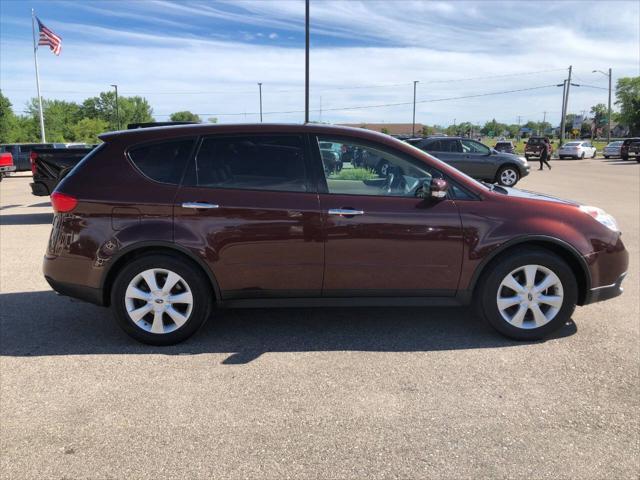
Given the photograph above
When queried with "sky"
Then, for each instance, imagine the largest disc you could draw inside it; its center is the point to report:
(208, 57)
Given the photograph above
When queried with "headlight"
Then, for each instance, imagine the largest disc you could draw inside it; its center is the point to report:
(601, 216)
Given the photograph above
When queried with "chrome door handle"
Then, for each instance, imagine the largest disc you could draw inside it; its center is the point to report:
(346, 212)
(199, 205)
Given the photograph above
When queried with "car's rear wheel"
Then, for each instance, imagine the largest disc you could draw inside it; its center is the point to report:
(582, 156)
(528, 294)
(160, 300)
(508, 176)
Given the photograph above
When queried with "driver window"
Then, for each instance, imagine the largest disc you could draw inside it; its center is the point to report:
(355, 169)
(469, 146)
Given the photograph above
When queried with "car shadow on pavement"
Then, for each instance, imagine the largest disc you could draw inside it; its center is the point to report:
(27, 219)
(44, 324)
(41, 204)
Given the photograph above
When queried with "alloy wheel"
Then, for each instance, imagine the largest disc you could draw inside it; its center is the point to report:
(530, 296)
(508, 177)
(158, 301)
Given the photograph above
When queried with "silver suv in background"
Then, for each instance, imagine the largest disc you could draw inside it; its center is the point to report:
(476, 159)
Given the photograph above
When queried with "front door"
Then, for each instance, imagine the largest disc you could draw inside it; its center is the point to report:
(381, 237)
(247, 209)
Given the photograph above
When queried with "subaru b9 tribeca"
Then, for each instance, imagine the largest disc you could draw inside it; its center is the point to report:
(166, 224)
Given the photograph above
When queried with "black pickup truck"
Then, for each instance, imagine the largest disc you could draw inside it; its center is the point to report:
(50, 165)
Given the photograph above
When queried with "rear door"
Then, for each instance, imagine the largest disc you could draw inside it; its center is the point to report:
(247, 208)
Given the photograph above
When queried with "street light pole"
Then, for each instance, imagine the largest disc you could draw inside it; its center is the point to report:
(260, 89)
(117, 107)
(609, 110)
(413, 125)
(306, 62)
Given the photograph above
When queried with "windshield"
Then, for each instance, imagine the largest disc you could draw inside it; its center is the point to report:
(614, 144)
(572, 144)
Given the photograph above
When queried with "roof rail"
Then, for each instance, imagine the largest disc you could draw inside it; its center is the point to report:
(133, 126)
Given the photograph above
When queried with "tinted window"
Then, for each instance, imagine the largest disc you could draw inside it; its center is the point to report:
(251, 162)
(443, 145)
(163, 161)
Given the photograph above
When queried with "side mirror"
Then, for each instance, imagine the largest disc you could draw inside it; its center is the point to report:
(438, 188)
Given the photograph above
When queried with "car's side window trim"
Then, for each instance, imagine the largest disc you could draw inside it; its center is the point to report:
(322, 182)
(191, 164)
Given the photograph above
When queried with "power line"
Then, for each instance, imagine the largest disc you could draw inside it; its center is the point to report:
(362, 107)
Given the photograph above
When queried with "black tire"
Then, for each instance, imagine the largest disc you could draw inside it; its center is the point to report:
(502, 170)
(606, 156)
(582, 156)
(487, 291)
(194, 278)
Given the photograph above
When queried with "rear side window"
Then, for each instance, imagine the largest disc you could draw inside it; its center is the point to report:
(251, 162)
(163, 161)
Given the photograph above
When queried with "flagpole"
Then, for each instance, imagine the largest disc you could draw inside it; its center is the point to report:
(35, 59)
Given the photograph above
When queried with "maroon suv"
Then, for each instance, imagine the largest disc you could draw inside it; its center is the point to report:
(165, 223)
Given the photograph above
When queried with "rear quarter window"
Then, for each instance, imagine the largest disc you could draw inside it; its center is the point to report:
(162, 161)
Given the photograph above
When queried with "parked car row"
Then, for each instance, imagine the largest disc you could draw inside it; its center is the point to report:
(21, 152)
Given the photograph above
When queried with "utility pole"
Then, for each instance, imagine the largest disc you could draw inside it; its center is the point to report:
(562, 119)
(609, 112)
(565, 105)
(117, 107)
(306, 62)
(544, 120)
(260, 89)
(609, 109)
(413, 126)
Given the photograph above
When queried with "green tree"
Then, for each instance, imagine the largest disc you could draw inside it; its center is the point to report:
(427, 130)
(213, 119)
(384, 130)
(184, 116)
(8, 121)
(59, 118)
(88, 129)
(131, 109)
(628, 98)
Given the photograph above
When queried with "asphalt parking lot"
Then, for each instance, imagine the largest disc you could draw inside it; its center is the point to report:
(318, 393)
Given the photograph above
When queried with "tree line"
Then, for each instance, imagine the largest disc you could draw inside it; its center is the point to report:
(67, 121)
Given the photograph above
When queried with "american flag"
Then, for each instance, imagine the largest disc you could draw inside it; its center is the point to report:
(47, 37)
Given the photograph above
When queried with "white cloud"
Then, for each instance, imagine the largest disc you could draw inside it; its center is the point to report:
(171, 69)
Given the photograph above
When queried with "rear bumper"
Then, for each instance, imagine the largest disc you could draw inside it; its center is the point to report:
(606, 292)
(63, 273)
(7, 169)
(81, 292)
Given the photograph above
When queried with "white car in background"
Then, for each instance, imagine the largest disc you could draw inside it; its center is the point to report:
(577, 150)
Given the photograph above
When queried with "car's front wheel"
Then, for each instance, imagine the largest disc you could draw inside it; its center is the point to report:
(508, 176)
(528, 294)
(160, 300)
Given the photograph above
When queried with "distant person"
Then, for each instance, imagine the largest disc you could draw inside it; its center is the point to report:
(545, 154)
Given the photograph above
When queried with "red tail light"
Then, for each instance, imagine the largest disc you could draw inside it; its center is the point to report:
(32, 159)
(62, 202)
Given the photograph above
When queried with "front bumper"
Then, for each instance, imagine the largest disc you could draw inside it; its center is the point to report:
(606, 292)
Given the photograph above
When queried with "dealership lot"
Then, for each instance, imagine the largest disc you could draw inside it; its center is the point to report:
(327, 393)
